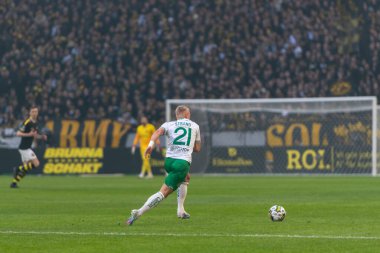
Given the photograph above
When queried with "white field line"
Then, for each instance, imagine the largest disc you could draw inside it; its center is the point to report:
(63, 233)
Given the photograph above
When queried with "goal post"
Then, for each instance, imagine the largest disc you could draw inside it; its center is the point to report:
(296, 135)
(377, 155)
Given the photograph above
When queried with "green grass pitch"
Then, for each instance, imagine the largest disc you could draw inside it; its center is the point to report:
(228, 214)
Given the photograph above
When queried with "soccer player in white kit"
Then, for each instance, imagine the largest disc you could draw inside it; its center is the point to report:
(183, 138)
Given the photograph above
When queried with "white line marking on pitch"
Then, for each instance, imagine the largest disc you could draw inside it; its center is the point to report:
(333, 237)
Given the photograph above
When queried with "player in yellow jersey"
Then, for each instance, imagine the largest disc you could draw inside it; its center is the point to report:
(143, 134)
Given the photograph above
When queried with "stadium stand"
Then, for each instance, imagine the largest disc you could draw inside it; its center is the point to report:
(122, 59)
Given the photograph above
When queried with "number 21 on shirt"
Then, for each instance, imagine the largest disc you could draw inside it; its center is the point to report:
(182, 136)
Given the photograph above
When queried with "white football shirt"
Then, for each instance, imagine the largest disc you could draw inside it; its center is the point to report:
(181, 136)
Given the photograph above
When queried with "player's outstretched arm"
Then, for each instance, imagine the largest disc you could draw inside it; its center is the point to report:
(22, 134)
(135, 141)
(153, 140)
(197, 146)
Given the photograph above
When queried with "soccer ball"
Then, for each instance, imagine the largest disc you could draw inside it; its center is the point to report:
(277, 213)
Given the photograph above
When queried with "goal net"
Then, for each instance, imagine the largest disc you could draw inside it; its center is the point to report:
(308, 135)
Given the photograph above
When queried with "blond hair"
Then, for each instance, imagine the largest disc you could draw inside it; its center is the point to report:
(181, 110)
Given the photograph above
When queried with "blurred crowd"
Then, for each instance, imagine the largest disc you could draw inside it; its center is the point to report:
(121, 59)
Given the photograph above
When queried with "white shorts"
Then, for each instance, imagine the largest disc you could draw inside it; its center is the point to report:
(27, 155)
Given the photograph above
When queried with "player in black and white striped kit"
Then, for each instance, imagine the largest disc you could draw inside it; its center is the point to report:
(28, 130)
